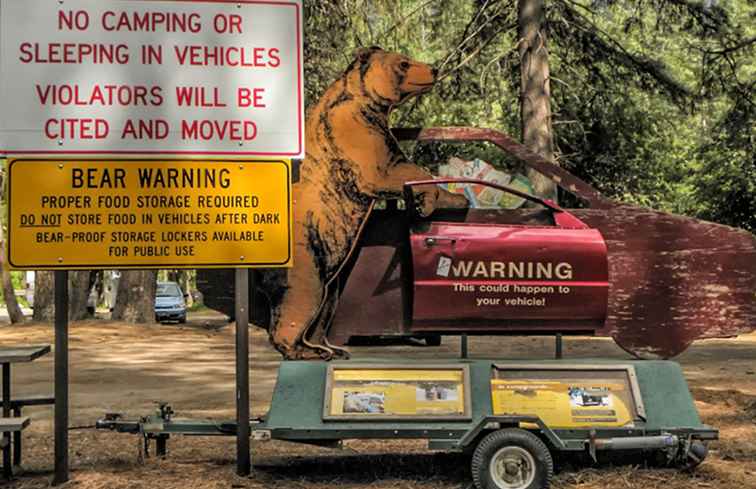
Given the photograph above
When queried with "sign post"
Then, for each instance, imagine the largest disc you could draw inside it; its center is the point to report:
(218, 81)
(243, 462)
(61, 377)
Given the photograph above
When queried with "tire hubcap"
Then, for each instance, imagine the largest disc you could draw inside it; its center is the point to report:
(512, 468)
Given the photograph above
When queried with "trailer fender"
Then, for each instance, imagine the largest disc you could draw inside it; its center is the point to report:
(490, 423)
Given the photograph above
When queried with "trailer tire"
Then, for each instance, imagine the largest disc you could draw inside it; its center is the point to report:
(695, 456)
(512, 459)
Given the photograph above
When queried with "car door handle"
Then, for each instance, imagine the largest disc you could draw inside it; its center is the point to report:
(433, 240)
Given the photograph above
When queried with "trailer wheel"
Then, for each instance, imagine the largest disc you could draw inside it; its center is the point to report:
(695, 455)
(512, 459)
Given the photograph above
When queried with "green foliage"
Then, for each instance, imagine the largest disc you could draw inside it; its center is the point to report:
(326, 51)
(727, 180)
(652, 100)
(17, 281)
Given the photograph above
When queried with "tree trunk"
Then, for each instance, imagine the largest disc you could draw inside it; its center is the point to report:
(185, 280)
(44, 296)
(78, 294)
(11, 303)
(14, 311)
(97, 281)
(135, 302)
(535, 91)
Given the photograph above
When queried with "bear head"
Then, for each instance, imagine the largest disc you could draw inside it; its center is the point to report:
(389, 78)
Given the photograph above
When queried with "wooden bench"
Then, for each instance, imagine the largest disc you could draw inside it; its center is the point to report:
(13, 425)
(10, 425)
(17, 405)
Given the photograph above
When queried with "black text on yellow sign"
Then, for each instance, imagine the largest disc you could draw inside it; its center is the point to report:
(149, 214)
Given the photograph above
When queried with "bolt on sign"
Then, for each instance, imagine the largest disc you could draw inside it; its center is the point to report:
(151, 77)
(148, 214)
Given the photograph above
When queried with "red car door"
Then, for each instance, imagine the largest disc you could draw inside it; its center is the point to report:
(497, 276)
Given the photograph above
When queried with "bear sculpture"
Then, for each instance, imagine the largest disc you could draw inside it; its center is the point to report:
(351, 160)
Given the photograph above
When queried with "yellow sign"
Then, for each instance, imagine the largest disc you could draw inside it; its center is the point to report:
(371, 393)
(565, 404)
(148, 214)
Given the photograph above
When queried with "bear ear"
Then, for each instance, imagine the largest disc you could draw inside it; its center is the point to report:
(363, 54)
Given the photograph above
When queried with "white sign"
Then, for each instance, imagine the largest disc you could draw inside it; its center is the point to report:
(151, 77)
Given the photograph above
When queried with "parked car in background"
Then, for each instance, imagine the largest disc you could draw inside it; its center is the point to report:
(170, 303)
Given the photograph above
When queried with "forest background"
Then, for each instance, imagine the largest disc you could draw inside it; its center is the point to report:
(652, 102)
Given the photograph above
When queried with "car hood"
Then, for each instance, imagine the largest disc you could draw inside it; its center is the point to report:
(168, 301)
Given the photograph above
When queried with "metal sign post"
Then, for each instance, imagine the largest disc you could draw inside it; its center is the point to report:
(243, 459)
(61, 377)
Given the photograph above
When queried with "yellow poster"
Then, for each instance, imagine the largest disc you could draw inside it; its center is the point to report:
(367, 393)
(565, 403)
(149, 214)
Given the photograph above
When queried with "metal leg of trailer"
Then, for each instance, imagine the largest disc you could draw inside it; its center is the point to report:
(61, 377)
(243, 459)
(463, 346)
(558, 351)
(161, 445)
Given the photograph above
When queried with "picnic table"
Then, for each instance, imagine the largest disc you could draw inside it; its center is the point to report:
(14, 424)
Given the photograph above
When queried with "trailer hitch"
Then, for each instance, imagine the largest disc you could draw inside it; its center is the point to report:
(163, 423)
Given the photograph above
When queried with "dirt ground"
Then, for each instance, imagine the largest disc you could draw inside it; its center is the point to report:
(121, 368)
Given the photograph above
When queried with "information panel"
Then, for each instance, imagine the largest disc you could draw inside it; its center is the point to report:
(151, 77)
(149, 214)
(369, 392)
(568, 397)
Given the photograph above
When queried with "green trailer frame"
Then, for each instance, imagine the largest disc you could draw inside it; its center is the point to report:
(297, 410)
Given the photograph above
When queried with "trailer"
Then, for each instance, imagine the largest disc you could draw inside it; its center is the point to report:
(512, 417)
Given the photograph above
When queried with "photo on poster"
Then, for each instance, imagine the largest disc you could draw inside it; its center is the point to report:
(437, 391)
(364, 402)
(590, 397)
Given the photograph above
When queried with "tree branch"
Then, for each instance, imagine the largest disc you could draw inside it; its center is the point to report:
(600, 45)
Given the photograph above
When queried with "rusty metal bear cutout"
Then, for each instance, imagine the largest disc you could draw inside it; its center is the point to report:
(352, 159)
